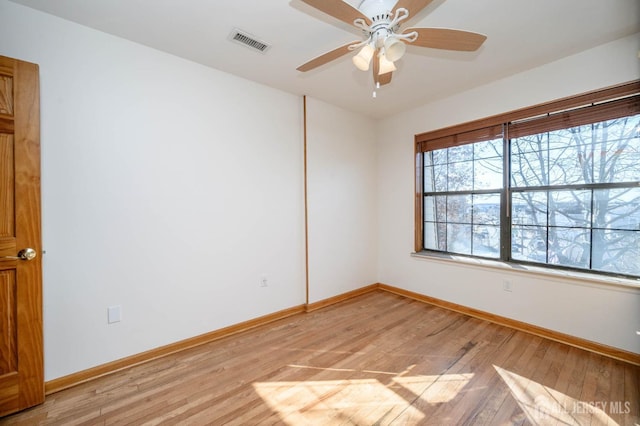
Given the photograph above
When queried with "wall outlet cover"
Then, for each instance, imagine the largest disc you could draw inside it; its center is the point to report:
(114, 314)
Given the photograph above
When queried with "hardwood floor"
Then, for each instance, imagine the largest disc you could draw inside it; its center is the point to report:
(378, 359)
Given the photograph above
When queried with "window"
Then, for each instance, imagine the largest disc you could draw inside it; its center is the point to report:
(560, 189)
(462, 188)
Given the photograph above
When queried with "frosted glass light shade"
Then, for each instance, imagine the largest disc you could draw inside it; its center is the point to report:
(394, 49)
(363, 58)
(385, 65)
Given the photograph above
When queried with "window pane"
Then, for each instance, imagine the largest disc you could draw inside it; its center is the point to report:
(529, 208)
(440, 156)
(435, 211)
(571, 156)
(529, 169)
(429, 209)
(569, 247)
(459, 238)
(427, 159)
(460, 176)
(617, 147)
(435, 208)
(533, 143)
(429, 180)
(486, 209)
(440, 176)
(529, 161)
(487, 173)
(529, 243)
(570, 208)
(617, 209)
(435, 236)
(460, 153)
(486, 241)
(616, 251)
(488, 149)
(459, 209)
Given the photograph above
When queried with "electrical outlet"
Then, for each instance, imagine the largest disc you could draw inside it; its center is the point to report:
(114, 314)
(506, 286)
(264, 281)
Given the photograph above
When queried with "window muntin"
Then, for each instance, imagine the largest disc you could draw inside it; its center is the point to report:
(571, 197)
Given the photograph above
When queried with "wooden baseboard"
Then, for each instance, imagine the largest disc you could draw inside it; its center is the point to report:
(567, 339)
(340, 298)
(74, 379)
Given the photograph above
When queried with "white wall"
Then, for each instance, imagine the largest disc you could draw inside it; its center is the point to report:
(342, 200)
(168, 188)
(603, 313)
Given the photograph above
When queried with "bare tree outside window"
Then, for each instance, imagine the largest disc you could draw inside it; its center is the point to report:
(574, 197)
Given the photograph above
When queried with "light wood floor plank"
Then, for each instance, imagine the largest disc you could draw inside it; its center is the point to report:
(377, 359)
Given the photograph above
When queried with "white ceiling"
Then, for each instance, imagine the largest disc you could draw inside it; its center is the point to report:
(522, 34)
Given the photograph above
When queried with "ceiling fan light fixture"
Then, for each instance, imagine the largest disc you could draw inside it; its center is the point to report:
(380, 22)
(363, 58)
(386, 65)
(394, 49)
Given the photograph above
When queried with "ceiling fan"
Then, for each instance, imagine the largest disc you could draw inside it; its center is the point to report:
(384, 41)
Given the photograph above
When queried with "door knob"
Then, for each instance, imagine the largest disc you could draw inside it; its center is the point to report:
(24, 254)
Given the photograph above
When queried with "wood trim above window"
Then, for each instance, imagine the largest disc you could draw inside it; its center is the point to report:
(585, 99)
(577, 117)
(474, 136)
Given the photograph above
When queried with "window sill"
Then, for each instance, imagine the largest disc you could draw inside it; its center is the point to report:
(581, 277)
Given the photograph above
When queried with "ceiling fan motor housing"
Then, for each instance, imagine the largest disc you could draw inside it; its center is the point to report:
(377, 9)
(382, 22)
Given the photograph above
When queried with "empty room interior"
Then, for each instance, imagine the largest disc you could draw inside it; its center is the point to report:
(320, 212)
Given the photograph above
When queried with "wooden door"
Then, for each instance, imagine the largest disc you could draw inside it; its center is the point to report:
(21, 357)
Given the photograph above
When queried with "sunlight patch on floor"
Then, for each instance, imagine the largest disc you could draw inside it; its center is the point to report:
(309, 402)
(360, 401)
(543, 405)
(435, 389)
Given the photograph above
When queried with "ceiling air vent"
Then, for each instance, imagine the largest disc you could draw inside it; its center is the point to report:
(246, 39)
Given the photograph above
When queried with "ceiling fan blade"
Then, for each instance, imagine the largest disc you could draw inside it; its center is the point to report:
(385, 78)
(375, 68)
(382, 79)
(413, 6)
(327, 57)
(444, 38)
(338, 9)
